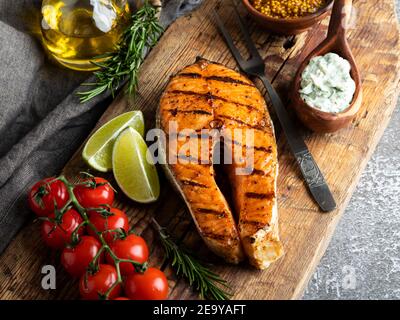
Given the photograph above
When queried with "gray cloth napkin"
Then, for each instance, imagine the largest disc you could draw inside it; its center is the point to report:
(42, 122)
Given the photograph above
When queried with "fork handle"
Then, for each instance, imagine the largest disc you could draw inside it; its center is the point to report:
(295, 141)
(309, 168)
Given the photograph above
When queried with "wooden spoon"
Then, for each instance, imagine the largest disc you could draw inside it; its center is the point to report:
(335, 42)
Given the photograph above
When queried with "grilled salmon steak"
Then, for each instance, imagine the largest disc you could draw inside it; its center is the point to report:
(208, 105)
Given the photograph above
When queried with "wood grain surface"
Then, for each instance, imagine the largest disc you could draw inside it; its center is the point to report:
(305, 231)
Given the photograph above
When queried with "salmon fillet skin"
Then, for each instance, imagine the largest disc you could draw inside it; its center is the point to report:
(207, 107)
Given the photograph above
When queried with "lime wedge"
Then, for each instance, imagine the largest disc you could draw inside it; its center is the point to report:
(136, 177)
(98, 150)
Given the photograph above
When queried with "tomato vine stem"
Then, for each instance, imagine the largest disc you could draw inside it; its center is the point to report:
(93, 266)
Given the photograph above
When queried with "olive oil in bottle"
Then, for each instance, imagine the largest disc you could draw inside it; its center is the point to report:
(76, 31)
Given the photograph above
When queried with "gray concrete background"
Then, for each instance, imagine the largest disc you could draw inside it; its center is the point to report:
(363, 258)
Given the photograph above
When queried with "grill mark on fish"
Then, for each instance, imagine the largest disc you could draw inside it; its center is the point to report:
(264, 149)
(216, 236)
(258, 224)
(258, 172)
(229, 80)
(209, 96)
(195, 134)
(215, 78)
(192, 75)
(248, 106)
(256, 127)
(220, 214)
(175, 111)
(193, 183)
(260, 196)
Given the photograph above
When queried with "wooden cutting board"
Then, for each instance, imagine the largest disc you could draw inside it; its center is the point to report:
(305, 231)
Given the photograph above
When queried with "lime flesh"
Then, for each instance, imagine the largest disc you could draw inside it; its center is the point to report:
(136, 176)
(98, 150)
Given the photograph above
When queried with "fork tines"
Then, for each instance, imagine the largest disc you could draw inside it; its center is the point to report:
(255, 55)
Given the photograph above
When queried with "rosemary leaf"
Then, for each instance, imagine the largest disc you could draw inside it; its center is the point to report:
(209, 284)
(141, 35)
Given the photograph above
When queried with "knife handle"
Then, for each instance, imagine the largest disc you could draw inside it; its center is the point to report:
(310, 170)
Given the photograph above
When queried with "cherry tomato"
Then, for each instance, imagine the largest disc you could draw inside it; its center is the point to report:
(118, 220)
(75, 260)
(56, 236)
(150, 285)
(121, 298)
(95, 195)
(92, 286)
(44, 194)
(132, 247)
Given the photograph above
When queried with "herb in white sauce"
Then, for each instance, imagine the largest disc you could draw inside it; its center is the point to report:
(326, 83)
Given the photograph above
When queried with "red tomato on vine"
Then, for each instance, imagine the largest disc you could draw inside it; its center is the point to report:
(133, 248)
(93, 287)
(57, 234)
(75, 260)
(115, 221)
(150, 285)
(45, 194)
(94, 192)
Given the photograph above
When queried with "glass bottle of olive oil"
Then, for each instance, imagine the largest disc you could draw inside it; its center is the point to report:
(76, 31)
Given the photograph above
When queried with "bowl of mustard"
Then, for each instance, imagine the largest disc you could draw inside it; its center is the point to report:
(288, 17)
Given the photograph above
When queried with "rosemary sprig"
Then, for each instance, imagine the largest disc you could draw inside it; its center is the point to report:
(141, 35)
(209, 284)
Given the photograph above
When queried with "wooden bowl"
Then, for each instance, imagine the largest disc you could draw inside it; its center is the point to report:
(336, 42)
(287, 26)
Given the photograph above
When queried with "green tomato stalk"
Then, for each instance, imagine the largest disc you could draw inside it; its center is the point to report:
(93, 266)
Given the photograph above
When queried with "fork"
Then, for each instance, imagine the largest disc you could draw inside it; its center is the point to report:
(255, 67)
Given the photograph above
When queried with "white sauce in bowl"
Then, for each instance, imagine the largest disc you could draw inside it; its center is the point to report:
(326, 83)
